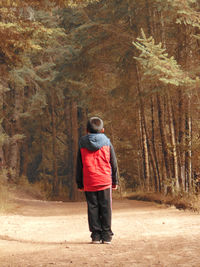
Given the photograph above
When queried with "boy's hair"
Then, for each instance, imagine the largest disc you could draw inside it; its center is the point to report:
(94, 125)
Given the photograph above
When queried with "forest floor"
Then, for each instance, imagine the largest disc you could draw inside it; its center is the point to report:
(43, 233)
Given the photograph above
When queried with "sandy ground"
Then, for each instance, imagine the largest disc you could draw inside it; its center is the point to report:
(42, 233)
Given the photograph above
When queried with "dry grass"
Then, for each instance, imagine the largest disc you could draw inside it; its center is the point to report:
(182, 201)
(5, 198)
(24, 189)
(10, 191)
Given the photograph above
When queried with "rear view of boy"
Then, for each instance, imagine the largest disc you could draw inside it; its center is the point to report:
(97, 176)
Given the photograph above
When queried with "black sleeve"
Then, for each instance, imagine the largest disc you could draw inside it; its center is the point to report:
(113, 163)
(79, 171)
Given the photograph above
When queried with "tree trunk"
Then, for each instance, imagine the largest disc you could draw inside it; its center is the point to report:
(24, 159)
(69, 157)
(158, 180)
(1, 130)
(190, 146)
(181, 144)
(144, 153)
(56, 181)
(188, 157)
(15, 126)
(74, 127)
(174, 149)
(163, 137)
(146, 135)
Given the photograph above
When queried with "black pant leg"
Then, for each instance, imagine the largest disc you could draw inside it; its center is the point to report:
(105, 209)
(93, 213)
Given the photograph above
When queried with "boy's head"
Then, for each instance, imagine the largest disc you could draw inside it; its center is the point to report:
(95, 125)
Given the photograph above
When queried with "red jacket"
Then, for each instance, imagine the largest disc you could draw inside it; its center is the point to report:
(96, 163)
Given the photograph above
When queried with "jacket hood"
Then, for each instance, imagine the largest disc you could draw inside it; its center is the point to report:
(94, 141)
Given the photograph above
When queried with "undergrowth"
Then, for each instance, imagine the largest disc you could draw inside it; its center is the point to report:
(23, 189)
(5, 198)
(29, 190)
(181, 201)
(9, 192)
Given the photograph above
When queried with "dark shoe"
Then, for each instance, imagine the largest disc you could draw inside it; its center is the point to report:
(107, 237)
(96, 238)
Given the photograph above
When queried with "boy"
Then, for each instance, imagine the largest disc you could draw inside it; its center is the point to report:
(97, 176)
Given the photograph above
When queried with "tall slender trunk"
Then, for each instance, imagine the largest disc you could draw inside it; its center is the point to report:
(15, 128)
(163, 137)
(173, 141)
(181, 141)
(69, 158)
(1, 130)
(145, 154)
(188, 156)
(56, 181)
(153, 30)
(147, 138)
(188, 62)
(140, 159)
(74, 127)
(190, 147)
(24, 159)
(157, 178)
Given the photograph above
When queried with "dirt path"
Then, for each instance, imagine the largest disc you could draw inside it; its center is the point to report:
(56, 234)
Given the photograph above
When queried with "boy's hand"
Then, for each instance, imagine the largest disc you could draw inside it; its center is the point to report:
(114, 187)
(80, 189)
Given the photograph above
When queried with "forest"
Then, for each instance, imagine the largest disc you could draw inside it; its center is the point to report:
(133, 63)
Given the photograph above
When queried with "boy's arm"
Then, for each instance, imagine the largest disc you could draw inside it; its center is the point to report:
(79, 171)
(114, 166)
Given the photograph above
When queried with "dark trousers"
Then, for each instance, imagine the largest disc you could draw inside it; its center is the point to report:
(100, 213)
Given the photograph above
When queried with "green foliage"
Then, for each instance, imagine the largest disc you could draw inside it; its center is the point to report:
(45, 4)
(19, 30)
(159, 66)
(185, 11)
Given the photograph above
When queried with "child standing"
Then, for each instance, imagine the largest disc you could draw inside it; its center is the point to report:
(97, 176)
